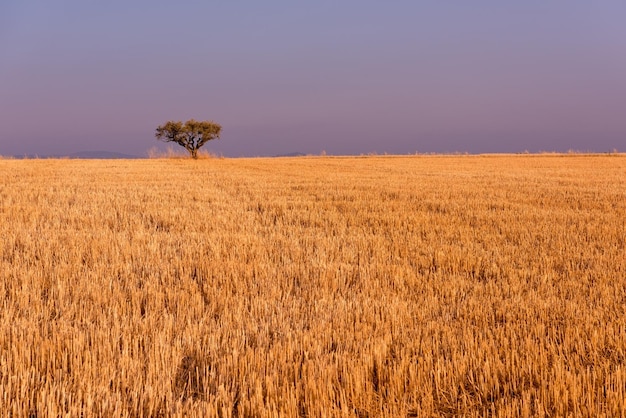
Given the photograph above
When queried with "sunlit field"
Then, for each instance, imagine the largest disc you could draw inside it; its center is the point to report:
(315, 287)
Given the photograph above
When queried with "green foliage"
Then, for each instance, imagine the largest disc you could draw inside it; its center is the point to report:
(191, 135)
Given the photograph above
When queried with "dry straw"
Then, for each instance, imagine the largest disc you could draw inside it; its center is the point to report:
(379, 286)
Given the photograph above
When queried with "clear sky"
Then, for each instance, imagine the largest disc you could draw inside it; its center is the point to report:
(343, 76)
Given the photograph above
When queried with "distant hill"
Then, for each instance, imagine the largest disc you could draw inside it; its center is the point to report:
(83, 155)
(291, 154)
(101, 155)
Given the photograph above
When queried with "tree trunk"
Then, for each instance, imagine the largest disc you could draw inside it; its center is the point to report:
(194, 154)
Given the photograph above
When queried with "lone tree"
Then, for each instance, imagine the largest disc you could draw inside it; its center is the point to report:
(191, 135)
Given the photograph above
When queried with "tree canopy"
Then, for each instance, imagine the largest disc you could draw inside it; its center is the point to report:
(191, 135)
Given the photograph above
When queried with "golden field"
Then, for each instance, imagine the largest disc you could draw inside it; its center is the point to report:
(316, 287)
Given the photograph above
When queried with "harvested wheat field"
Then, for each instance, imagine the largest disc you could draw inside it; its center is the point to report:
(379, 286)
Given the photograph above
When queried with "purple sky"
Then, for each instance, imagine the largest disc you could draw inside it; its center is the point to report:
(347, 77)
